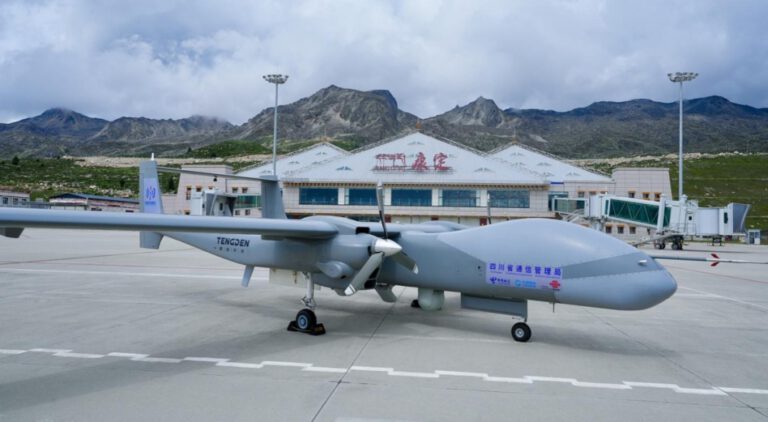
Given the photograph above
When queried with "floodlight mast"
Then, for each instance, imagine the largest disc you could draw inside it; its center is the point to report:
(680, 77)
(276, 79)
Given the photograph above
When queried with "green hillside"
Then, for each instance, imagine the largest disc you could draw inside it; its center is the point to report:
(718, 180)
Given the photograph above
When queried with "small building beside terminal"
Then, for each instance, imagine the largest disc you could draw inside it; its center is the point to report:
(87, 202)
(9, 198)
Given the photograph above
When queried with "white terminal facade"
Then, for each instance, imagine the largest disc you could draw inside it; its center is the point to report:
(425, 179)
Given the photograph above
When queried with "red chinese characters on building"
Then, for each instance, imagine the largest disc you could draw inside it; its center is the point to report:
(421, 162)
(399, 162)
(439, 161)
(390, 161)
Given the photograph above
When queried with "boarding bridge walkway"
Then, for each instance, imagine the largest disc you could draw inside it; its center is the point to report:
(672, 220)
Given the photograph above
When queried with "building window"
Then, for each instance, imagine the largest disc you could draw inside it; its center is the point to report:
(646, 195)
(412, 197)
(620, 229)
(592, 193)
(244, 189)
(237, 212)
(247, 212)
(189, 193)
(657, 196)
(459, 198)
(509, 198)
(248, 201)
(362, 197)
(186, 212)
(235, 189)
(632, 229)
(198, 188)
(551, 198)
(609, 229)
(631, 194)
(5, 201)
(318, 196)
(580, 194)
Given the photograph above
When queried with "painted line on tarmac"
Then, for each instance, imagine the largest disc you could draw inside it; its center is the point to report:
(727, 298)
(309, 367)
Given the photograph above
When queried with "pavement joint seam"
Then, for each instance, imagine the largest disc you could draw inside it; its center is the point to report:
(309, 367)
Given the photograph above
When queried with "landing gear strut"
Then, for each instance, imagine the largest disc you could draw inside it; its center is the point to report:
(306, 321)
(521, 332)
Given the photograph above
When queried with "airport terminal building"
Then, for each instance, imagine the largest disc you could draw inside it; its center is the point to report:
(424, 179)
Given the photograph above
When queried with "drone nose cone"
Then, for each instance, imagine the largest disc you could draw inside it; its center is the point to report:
(664, 287)
(627, 282)
(647, 289)
(388, 247)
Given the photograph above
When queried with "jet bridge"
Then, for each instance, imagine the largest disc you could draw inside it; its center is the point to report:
(672, 220)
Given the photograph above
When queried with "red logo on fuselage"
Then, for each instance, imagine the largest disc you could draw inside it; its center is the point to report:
(554, 284)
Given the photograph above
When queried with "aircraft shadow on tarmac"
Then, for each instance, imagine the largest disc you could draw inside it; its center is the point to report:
(346, 318)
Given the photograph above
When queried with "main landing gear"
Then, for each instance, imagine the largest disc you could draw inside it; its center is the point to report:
(521, 332)
(306, 321)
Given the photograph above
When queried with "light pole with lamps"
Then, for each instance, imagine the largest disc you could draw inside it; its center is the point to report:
(277, 80)
(680, 77)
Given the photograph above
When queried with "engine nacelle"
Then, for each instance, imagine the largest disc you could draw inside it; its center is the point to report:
(431, 300)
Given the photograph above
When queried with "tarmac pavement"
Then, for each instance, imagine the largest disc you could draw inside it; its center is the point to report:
(94, 328)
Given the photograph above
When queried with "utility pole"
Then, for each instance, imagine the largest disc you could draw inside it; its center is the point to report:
(680, 77)
(277, 80)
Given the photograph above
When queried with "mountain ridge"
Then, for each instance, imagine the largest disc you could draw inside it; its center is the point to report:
(358, 118)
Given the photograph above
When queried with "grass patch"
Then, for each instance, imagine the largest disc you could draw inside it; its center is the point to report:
(47, 177)
(229, 149)
(716, 181)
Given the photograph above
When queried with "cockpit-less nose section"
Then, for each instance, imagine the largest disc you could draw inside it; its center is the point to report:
(496, 268)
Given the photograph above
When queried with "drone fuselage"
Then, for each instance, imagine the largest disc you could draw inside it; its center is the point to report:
(533, 259)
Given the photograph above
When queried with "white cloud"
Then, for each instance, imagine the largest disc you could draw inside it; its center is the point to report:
(172, 59)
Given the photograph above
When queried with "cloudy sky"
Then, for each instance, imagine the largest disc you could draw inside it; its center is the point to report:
(173, 59)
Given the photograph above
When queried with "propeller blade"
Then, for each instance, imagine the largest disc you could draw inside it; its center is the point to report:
(380, 203)
(364, 274)
(407, 262)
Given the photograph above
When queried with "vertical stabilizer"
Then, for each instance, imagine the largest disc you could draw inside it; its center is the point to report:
(271, 198)
(150, 201)
(149, 188)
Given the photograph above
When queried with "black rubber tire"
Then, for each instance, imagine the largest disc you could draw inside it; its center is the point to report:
(675, 246)
(306, 319)
(662, 245)
(521, 332)
(415, 304)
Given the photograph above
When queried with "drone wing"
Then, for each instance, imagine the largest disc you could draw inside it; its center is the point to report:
(13, 220)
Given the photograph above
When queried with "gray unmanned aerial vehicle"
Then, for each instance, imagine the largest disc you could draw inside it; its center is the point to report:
(496, 268)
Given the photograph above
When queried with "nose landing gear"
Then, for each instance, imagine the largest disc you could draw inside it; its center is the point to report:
(306, 321)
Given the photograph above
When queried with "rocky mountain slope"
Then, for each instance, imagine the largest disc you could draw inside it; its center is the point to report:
(602, 129)
(333, 112)
(59, 131)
